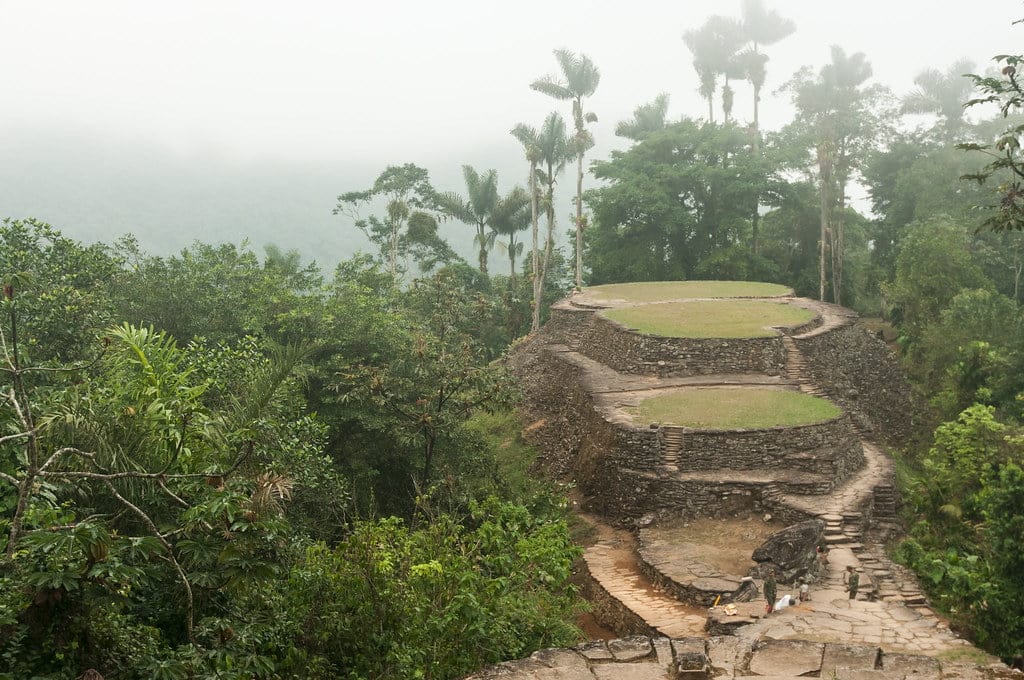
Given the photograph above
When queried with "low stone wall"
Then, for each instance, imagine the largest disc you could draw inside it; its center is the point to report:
(859, 372)
(679, 569)
(628, 351)
(627, 493)
(608, 610)
(831, 448)
(568, 325)
(574, 436)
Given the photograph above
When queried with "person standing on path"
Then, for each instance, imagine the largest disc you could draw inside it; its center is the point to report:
(852, 581)
(770, 591)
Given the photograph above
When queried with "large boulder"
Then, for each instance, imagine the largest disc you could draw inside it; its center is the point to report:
(790, 553)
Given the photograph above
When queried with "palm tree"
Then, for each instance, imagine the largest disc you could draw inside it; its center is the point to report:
(713, 47)
(556, 149)
(477, 209)
(528, 137)
(512, 215)
(580, 78)
(761, 27)
(834, 104)
(647, 118)
(943, 93)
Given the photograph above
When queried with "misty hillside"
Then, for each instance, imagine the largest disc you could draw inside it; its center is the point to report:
(100, 189)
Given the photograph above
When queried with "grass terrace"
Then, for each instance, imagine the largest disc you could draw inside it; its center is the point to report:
(655, 291)
(711, 318)
(732, 408)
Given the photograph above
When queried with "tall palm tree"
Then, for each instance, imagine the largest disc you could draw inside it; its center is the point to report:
(761, 27)
(580, 78)
(556, 149)
(476, 209)
(528, 137)
(512, 215)
(834, 103)
(647, 118)
(713, 47)
(944, 93)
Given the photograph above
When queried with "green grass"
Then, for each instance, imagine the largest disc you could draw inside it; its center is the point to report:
(724, 408)
(673, 290)
(711, 318)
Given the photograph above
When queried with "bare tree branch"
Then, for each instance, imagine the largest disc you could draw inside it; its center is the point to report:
(189, 601)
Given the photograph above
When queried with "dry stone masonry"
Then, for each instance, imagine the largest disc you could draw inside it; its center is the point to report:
(583, 373)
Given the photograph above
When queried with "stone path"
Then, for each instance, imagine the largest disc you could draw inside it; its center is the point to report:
(891, 613)
(831, 617)
(643, 658)
(612, 563)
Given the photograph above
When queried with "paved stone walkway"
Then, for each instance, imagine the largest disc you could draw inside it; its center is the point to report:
(643, 658)
(612, 563)
(896, 619)
(831, 616)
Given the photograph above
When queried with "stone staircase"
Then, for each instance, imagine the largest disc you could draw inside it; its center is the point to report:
(857, 510)
(672, 440)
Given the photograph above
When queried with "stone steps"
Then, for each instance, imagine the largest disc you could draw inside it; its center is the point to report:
(672, 441)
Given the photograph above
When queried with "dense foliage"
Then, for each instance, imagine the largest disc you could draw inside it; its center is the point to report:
(213, 465)
(216, 464)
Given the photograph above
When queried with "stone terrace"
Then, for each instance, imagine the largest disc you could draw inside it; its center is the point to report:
(582, 373)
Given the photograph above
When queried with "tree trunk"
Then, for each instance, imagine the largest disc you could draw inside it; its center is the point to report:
(512, 259)
(579, 221)
(755, 223)
(481, 236)
(428, 457)
(837, 246)
(549, 241)
(535, 321)
(825, 179)
(757, 123)
(393, 255)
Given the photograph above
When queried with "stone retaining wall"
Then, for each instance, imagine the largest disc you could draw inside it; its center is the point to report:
(859, 372)
(618, 467)
(629, 351)
(705, 590)
(831, 447)
(626, 493)
(608, 610)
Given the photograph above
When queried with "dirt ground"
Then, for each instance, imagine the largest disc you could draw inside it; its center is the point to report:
(726, 544)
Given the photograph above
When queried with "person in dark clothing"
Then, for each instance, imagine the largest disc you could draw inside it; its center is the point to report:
(852, 581)
(770, 591)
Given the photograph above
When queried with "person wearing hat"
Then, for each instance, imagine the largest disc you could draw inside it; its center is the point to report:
(852, 581)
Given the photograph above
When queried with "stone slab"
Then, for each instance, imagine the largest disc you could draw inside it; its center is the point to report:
(595, 650)
(912, 666)
(786, 657)
(629, 671)
(851, 657)
(690, 654)
(631, 648)
(560, 658)
(726, 654)
(663, 651)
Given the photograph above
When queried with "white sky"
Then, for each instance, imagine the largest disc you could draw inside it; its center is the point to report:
(434, 82)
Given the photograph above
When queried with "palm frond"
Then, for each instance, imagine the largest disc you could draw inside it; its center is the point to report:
(551, 88)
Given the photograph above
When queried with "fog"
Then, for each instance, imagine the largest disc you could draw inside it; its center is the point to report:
(229, 120)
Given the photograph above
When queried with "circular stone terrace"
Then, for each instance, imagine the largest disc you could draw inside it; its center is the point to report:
(619, 294)
(674, 423)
